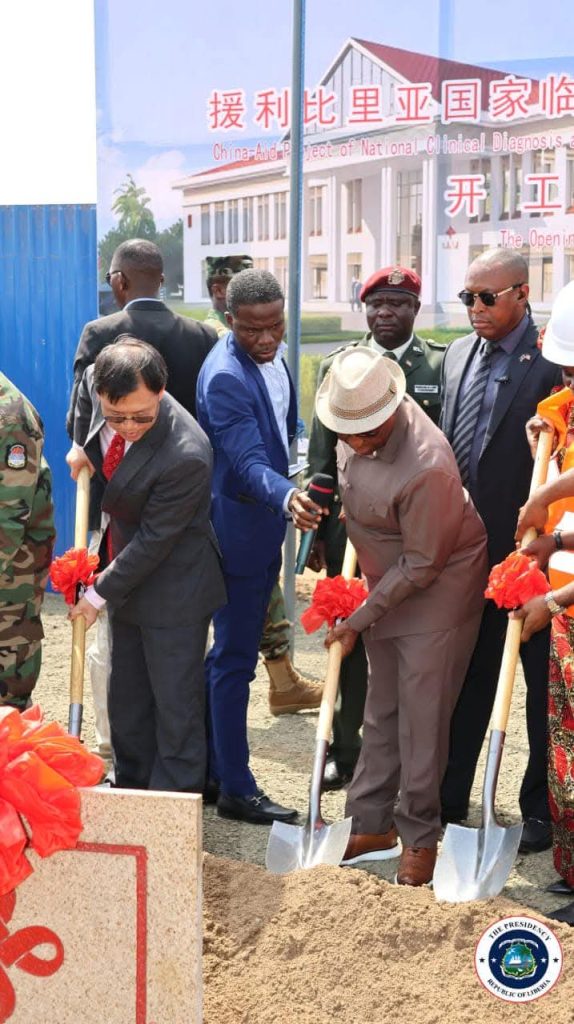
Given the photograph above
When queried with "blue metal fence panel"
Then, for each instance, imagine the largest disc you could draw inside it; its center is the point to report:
(48, 290)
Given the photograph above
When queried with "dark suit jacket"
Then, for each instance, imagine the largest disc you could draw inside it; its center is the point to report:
(505, 464)
(167, 568)
(251, 463)
(183, 343)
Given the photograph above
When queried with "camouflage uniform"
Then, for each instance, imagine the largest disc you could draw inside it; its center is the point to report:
(221, 269)
(26, 542)
(217, 320)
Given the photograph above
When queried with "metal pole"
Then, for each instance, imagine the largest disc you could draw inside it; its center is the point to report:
(295, 238)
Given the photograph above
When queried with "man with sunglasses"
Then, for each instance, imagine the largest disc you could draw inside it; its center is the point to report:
(135, 277)
(492, 381)
(161, 575)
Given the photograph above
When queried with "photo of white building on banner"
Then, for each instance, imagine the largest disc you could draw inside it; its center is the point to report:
(409, 159)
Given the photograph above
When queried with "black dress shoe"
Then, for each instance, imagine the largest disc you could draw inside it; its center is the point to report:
(210, 792)
(536, 836)
(560, 888)
(257, 809)
(335, 777)
(564, 914)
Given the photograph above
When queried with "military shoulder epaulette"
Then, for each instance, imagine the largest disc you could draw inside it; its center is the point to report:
(335, 352)
(439, 345)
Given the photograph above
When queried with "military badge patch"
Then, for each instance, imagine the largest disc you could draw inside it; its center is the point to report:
(396, 276)
(16, 456)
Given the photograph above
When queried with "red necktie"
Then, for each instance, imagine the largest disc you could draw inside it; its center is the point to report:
(112, 459)
(113, 456)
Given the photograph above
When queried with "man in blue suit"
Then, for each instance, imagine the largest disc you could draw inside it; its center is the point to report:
(247, 406)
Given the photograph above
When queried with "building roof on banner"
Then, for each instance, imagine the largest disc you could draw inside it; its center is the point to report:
(421, 67)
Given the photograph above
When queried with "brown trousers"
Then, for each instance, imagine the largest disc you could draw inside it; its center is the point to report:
(414, 683)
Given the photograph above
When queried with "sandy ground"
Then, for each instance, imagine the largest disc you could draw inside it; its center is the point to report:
(337, 945)
(282, 752)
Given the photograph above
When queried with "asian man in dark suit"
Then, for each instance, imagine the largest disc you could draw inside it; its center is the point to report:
(163, 579)
(247, 407)
(492, 381)
(135, 277)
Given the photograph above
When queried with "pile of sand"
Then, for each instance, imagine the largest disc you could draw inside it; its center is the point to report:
(339, 946)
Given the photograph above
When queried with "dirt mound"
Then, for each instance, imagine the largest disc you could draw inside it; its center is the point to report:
(339, 946)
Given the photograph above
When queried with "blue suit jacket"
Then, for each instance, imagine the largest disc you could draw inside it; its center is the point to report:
(250, 466)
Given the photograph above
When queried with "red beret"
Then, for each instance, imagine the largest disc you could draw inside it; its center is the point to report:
(397, 279)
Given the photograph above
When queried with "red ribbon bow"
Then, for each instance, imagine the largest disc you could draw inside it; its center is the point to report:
(74, 567)
(40, 768)
(515, 581)
(334, 598)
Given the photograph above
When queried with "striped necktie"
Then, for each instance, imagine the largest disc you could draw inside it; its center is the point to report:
(469, 411)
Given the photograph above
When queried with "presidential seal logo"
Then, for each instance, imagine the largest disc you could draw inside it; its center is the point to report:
(518, 959)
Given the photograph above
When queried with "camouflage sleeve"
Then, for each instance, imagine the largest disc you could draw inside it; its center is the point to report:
(20, 466)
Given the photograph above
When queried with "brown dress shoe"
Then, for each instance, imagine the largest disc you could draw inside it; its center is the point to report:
(372, 847)
(289, 691)
(416, 866)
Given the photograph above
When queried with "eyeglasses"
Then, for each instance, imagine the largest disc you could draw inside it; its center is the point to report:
(117, 420)
(110, 274)
(487, 298)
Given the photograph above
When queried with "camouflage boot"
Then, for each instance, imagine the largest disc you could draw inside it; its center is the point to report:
(289, 691)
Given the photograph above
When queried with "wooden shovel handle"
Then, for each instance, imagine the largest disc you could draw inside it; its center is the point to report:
(79, 624)
(514, 629)
(82, 508)
(334, 660)
(330, 691)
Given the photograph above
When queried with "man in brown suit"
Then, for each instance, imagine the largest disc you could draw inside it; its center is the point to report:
(422, 548)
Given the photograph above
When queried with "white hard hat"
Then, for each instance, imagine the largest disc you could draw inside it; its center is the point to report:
(558, 341)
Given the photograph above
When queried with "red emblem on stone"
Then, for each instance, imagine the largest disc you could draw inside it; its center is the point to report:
(16, 950)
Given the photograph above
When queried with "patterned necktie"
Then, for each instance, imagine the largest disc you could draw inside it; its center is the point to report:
(112, 459)
(113, 456)
(469, 411)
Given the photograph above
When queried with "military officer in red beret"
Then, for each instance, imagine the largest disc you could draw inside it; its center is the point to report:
(392, 301)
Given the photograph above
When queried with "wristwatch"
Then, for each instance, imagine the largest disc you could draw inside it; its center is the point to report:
(553, 607)
(557, 534)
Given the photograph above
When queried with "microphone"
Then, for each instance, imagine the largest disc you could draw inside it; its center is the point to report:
(321, 490)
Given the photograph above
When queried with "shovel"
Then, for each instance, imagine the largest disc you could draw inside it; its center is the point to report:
(79, 625)
(291, 847)
(474, 863)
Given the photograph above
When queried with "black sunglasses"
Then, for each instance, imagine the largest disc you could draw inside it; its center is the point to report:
(110, 274)
(487, 298)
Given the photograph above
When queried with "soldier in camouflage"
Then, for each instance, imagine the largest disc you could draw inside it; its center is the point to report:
(26, 543)
(220, 270)
(289, 691)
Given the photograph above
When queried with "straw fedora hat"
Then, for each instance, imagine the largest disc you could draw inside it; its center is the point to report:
(360, 392)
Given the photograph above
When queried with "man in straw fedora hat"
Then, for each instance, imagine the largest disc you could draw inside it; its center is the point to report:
(422, 548)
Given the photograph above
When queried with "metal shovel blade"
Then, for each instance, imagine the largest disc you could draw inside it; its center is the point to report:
(292, 847)
(474, 863)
